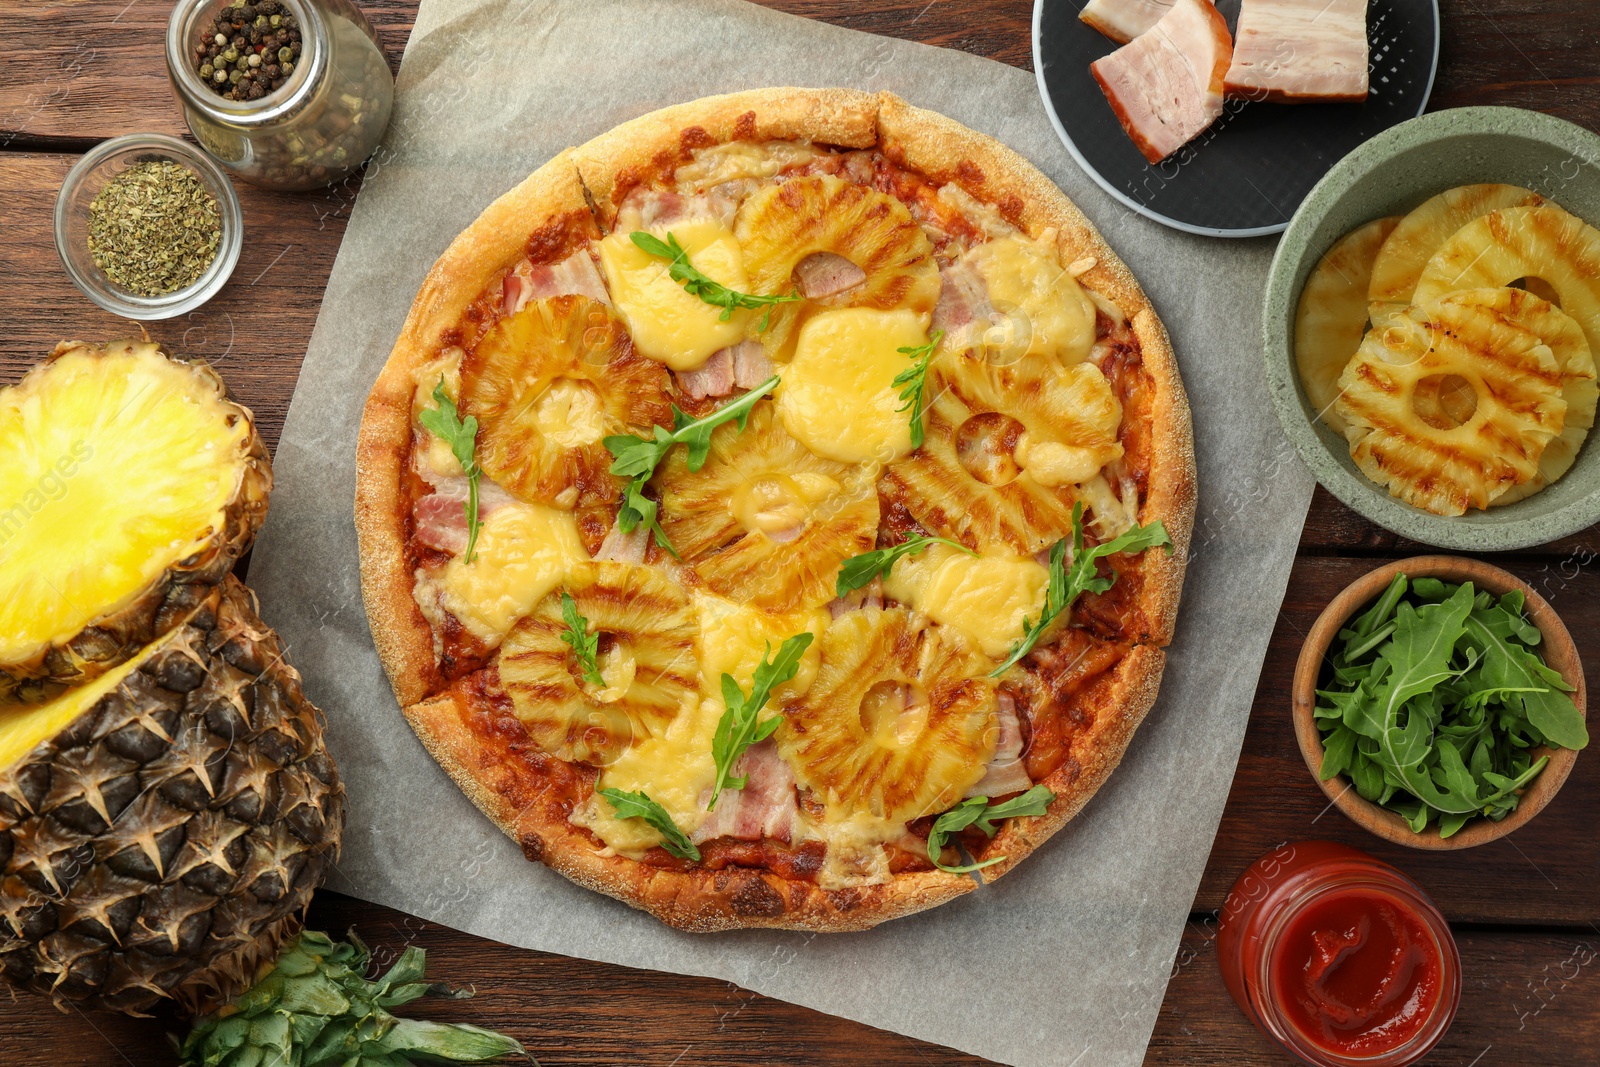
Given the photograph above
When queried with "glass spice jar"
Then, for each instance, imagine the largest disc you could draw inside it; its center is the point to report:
(1339, 957)
(319, 126)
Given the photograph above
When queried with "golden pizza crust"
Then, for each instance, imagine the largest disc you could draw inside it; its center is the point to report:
(598, 176)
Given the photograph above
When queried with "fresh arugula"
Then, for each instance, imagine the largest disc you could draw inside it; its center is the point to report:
(858, 571)
(640, 806)
(1070, 580)
(977, 811)
(739, 727)
(707, 288)
(914, 380)
(585, 645)
(637, 457)
(446, 423)
(1434, 699)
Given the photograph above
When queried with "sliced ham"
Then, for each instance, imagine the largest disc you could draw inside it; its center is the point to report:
(574, 276)
(751, 366)
(765, 807)
(1166, 86)
(1006, 773)
(1300, 51)
(963, 303)
(1123, 20)
(441, 516)
(656, 209)
(622, 547)
(714, 377)
(824, 274)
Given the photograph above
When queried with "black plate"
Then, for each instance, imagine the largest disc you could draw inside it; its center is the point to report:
(1247, 174)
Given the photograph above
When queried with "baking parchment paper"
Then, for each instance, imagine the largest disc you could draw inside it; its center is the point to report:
(1064, 961)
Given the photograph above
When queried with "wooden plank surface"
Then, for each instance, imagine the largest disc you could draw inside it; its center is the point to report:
(1527, 909)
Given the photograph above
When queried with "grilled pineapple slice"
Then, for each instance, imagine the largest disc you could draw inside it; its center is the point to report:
(647, 658)
(1005, 449)
(899, 722)
(129, 485)
(1332, 316)
(546, 385)
(1544, 243)
(1453, 404)
(1407, 251)
(765, 521)
(780, 225)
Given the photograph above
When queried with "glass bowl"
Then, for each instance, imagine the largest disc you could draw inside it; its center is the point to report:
(91, 174)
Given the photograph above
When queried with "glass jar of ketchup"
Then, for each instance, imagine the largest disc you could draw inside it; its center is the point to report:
(1338, 957)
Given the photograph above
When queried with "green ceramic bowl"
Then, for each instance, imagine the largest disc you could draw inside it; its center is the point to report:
(1390, 175)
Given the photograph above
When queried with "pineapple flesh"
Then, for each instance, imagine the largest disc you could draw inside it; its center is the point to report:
(163, 825)
(1452, 405)
(782, 224)
(1406, 252)
(899, 723)
(647, 630)
(1332, 315)
(546, 385)
(129, 486)
(765, 521)
(1006, 449)
(1534, 243)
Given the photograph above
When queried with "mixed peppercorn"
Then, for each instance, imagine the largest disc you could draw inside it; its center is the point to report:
(248, 50)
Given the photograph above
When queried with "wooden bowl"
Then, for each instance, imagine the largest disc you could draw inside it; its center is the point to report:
(1558, 651)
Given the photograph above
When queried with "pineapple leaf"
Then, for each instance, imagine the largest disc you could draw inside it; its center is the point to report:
(977, 811)
(739, 727)
(858, 571)
(914, 380)
(640, 806)
(446, 423)
(702, 285)
(585, 645)
(316, 1008)
(1069, 580)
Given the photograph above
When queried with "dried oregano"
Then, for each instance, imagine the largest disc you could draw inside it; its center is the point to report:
(154, 228)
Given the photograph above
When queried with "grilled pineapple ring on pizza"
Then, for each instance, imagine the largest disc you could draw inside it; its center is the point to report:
(688, 684)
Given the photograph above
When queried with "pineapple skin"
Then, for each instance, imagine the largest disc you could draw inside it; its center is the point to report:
(117, 635)
(164, 845)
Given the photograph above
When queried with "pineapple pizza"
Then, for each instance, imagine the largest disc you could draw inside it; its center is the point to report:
(774, 511)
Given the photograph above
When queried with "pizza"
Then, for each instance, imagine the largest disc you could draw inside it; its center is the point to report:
(774, 511)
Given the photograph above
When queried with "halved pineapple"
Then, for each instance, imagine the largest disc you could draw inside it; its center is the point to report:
(129, 485)
(1544, 243)
(1332, 316)
(647, 658)
(899, 722)
(546, 385)
(1004, 449)
(1453, 404)
(779, 225)
(1406, 252)
(765, 521)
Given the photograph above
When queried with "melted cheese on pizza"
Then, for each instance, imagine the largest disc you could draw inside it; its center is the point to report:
(985, 597)
(838, 396)
(666, 323)
(1022, 274)
(523, 552)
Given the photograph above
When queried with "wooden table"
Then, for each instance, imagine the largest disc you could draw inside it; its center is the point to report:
(1526, 910)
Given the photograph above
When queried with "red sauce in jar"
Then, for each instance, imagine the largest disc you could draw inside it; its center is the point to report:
(1340, 958)
(1357, 972)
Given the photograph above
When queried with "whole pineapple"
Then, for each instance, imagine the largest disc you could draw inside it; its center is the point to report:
(899, 722)
(167, 805)
(781, 225)
(163, 826)
(766, 521)
(645, 631)
(546, 385)
(129, 485)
